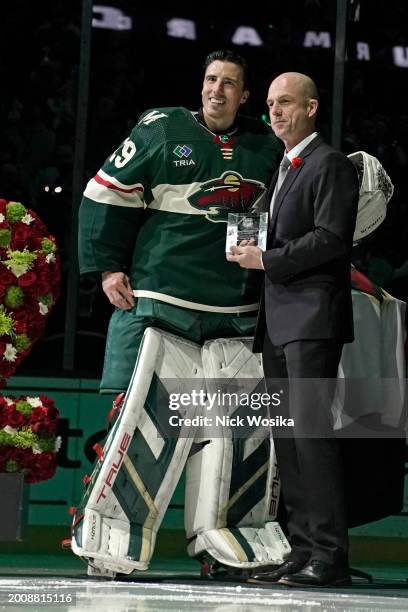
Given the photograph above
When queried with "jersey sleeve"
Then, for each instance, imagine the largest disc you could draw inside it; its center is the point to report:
(113, 203)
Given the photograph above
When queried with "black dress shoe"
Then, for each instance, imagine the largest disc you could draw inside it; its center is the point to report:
(273, 574)
(318, 574)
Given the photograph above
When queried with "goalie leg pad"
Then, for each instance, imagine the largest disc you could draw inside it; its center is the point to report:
(232, 484)
(129, 491)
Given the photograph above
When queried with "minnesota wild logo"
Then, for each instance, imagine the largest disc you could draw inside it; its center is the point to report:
(228, 193)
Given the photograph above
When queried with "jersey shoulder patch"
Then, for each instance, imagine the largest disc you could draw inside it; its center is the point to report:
(154, 114)
(151, 116)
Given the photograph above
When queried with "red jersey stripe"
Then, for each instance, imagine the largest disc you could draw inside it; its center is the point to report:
(110, 185)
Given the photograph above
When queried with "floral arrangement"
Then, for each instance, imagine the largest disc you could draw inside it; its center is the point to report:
(296, 162)
(29, 283)
(28, 441)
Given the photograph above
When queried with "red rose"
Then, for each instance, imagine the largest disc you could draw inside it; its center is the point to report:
(27, 279)
(21, 322)
(48, 272)
(21, 456)
(296, 162)
(5, 455)
(15, 418)
(43, 287)
(43, 459)
(38, 242)
(49, 403)
(48, 416)
(42, 468)
(38, 414)
(21, 236)
(30, 304)
(44, 427)
(3, 419)
(39, 228)
(30, 293)
(6, 279)
(7, 368)
(42, 265)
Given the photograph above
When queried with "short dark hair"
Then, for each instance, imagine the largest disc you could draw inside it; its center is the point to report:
(226, 55)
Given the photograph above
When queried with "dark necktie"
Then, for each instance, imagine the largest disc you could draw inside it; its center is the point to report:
(283, 168)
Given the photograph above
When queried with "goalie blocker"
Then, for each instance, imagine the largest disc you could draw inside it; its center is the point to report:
(232, 485)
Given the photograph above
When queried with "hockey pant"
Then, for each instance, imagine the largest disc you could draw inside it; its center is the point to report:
(232, 483)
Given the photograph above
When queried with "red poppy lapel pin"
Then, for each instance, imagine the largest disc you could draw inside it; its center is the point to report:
(296, 162)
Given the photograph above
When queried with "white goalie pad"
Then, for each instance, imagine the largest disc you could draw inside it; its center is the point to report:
(244, 547)
(115, 527)
(116, 524)
(232, 482)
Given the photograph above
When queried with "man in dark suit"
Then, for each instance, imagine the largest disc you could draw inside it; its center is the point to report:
(305, 318)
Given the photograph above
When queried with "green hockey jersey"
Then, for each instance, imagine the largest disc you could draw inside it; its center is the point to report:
(157, 210)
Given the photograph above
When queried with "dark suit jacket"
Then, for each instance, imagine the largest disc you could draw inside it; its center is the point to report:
(307, 262)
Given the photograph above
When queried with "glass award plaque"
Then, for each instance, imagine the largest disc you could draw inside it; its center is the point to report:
(247, 226)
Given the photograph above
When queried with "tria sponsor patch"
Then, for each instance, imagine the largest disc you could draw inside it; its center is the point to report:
(183, 152)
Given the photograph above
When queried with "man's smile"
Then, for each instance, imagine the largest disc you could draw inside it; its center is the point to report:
(217, 101)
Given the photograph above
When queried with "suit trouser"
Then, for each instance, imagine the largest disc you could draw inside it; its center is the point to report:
(308, 454)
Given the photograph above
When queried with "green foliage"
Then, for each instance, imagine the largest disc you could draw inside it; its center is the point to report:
(14, 297)
(5, 238)
(15, 211)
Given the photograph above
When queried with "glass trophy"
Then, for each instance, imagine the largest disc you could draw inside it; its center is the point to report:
(247, 226)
